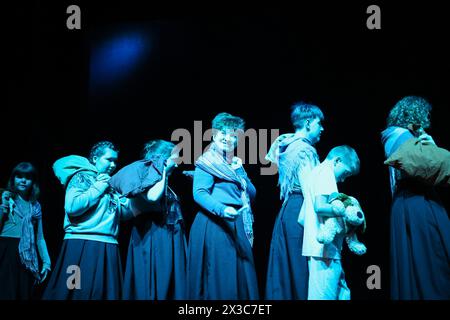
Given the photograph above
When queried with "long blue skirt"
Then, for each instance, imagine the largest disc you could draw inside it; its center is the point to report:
(220, 268)
(16, 282)
(287, 273)
(99, 267)
(420, 246)
(156, 262)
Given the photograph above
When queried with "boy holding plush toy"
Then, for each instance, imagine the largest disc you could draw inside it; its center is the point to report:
(328, 217)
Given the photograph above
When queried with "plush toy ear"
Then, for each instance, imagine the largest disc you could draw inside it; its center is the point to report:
(334, 196)
(363, 227)
(342, 196)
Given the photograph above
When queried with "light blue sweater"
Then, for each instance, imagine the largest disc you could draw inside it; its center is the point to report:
(90, 214)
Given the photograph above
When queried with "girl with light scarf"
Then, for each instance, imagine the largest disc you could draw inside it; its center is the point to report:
(22, 243)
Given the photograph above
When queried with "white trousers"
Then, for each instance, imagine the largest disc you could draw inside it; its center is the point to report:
(326, 280)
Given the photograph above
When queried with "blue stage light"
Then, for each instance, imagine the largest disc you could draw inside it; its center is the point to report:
(113, 59)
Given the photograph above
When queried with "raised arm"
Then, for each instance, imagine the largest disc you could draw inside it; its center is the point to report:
(154, 193)
(4, 207)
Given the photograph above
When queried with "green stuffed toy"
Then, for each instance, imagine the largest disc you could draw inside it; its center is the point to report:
(353, 220)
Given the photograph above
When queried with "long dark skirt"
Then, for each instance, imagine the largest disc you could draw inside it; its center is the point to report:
(156, 262)
(420, 245)
(287, 273)
(99, 268)
(16, 282)
(217, 269)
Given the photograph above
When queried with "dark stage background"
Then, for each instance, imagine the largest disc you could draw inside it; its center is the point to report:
(189, 63)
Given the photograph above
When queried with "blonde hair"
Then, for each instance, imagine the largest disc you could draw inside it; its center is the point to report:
(348, 156)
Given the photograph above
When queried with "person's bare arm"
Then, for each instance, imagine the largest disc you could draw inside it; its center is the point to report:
(327, 210)
(155, 193)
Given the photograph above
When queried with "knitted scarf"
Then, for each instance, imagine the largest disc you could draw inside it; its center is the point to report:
(27, 243)
(214, 163)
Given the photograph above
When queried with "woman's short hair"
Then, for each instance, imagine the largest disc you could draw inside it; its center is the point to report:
(410, 110)
(25, 169)
(99, 149)
(157, 148)
(227, 121)
(301, 111)
(348, 156)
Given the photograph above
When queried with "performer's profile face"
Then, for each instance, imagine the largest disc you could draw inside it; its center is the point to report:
(315, 130)
(107, 162)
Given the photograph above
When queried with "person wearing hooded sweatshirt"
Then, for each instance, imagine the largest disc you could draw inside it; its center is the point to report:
(89, 266)
(420, 227)
(24, 259)
(295, 155)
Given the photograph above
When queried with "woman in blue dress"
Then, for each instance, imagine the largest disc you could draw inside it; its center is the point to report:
(220, 259)
(420, 227)
(156, 263)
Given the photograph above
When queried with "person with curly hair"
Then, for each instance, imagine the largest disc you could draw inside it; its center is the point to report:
(220, 259)
(420, 227)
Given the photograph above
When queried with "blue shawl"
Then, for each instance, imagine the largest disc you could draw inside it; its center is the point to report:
(392, 138)
(214, 163)
(27, 244)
